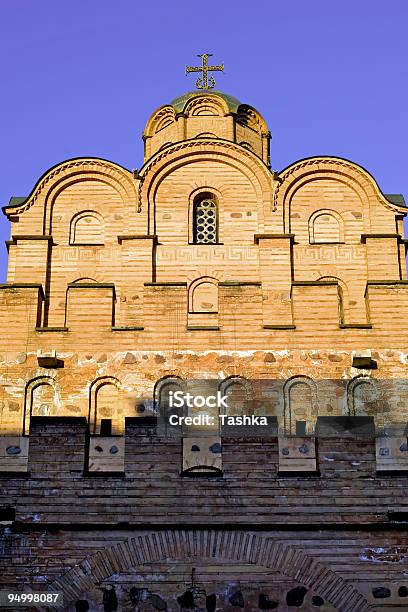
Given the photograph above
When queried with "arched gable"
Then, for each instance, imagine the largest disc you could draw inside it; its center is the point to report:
(160, 119)
(187, 152)
(206, 105)
(314, 168)
(250, 117)
(72, 171)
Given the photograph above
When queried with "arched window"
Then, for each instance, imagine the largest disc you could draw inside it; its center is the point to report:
(205, 220)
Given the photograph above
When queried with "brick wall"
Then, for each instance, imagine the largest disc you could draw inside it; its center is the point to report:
(308, 276)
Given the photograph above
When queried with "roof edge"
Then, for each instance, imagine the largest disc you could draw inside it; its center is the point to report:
(16, 201)
(180, 102)
(390, 198)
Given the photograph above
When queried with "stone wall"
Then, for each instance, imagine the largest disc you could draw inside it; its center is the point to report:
(109, 295)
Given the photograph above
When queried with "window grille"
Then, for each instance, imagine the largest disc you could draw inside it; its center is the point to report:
(205, 222)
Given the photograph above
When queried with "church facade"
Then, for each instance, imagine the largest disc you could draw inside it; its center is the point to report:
(288, 292)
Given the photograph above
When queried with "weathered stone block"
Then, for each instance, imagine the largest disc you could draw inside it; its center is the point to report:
(106, 454)
(391, 453)
(202, 455)
(14, 453)
(297, 454)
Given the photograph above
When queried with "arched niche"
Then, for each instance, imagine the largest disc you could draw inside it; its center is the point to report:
(300, 405)
(326, 226)
(87, 227)
(41, 398)
(203, 296)
(85, 280)
(163, 390)
(343, 296)
(363, 397)
(106, 403)
(163, 387)
(239, 394)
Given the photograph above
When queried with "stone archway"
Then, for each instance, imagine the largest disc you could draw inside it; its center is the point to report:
(255, 549)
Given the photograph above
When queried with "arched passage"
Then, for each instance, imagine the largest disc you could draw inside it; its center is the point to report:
(196, 545)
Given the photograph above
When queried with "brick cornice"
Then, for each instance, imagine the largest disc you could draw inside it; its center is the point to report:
(70, 167)
(328, 164)
(24, 286)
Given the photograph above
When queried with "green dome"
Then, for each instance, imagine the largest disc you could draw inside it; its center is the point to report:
(180, 102)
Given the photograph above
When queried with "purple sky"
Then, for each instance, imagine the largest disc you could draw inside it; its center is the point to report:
(82, 77)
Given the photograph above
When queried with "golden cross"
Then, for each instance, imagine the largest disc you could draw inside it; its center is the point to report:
(205, 81)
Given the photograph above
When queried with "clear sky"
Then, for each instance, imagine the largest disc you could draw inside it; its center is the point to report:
(82, 77)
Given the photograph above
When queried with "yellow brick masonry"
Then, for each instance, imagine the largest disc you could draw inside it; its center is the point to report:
(287, 305)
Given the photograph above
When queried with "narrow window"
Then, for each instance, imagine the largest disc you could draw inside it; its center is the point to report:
(205, 222)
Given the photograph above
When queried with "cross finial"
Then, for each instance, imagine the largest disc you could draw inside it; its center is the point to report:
(205, 81)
